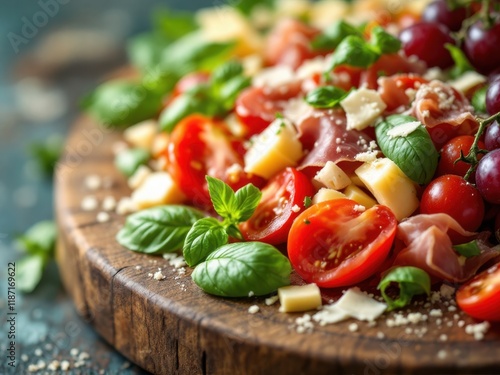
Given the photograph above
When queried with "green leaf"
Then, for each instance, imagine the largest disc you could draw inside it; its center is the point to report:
(127, 161)
(462, 64)
(246, 6)
(240, 269)
(29, 271)
(307, 202)
(325, 97)
(145, 50)
(414, 154)
(161, 229)
(383, 41)
(223, 198)
(354, 51)
(468, 249)
(411, 281)
(205, 237)
(47, 153)
(179, 109)
(173, 25)
(333, 35)
(40, 239)
(123, 103)
(247, 200)
(478, 100)
(226, 72)
(228, 93)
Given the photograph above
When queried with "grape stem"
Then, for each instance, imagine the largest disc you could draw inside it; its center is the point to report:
(472, 156)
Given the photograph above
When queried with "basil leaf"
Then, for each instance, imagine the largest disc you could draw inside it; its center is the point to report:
(411, 281)
(159, 229)
(223, 198)
(247, 200)
(414, 153)
(333, 35)
(226, 71)
(238, 269)
(478, 100)
(354, 51)
(462, 64)
(228, 93)
(468, 249)
(145, 50)
(122, 103)
(325, 97)
(172, 25)
(40, 239)
(383, 41)
(204, 237)
(180, 108)
(246, 6)
(127, 161)
(47, 153)
(29, 272)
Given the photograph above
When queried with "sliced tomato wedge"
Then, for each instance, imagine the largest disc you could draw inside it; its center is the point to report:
(281, 202)
(338, 243)
(480, 297)
(199, 146)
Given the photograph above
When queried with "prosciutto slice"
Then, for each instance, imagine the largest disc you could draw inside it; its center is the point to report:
(429, 247)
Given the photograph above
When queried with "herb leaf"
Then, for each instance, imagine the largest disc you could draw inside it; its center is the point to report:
(30, 271)
(411, 281)
(383, 41)
(354, 51)
(205, 236)
(161, 229)
(414, 153)
(478, 100)
(223, 198)
(127, 161)
(462, 64)
(238, 269)
(325, 97)
(247, 200)
(333, 35)
(47, 153)
(40, 239)
(468, 249)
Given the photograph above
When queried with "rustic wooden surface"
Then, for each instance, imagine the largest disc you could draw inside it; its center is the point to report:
(172, 327)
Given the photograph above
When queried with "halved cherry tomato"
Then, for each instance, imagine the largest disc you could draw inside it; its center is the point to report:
(480, 297)
(337, 243)
(198, 147)
(282, 200)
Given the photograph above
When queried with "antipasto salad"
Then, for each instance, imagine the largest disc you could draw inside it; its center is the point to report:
(354, 144)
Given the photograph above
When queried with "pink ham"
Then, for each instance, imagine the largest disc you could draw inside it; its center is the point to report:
(429, 247)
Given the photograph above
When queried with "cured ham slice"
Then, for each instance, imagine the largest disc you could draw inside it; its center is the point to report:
(429, 247)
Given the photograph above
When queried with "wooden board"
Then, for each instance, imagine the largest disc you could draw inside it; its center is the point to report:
(172, 327)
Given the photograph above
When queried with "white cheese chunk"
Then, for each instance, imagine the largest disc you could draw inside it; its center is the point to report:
(325, 194)
(276, 148)
(332, 176)
(330, 314)
(296, 298)
(360, 306)
(404, 129)
(275, 76)
(141, 134)
(468, 80)
(157, 189)
(362, 107)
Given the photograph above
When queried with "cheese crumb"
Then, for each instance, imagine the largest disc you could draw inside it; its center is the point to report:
(442, 354)
(477, 330)
(89, 203)
(353, 327)
(272, 300)
(65, 365)
(109, 203)
(53, 366)
(367, 157)
(102, 217)
(159, 276)
(93, 182)
(254, 309)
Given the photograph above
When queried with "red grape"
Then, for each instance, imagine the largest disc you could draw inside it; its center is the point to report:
(492, 136)
(439, 12)
(481, 47)
(488, 177)
(493, 97)
(426, 41)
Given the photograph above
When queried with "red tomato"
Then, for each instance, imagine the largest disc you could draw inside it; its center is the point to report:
(456, 197)
(282, 200)
(450, 153)
(480, 297)
(334, 244)
(256, 107)
(198, 147)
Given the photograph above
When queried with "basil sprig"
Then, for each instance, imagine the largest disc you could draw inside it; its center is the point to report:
(241, 269)
(325, 97)
(161, 229)
(411, 281)
(414, 154)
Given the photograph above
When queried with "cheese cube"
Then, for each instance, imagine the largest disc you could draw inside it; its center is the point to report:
(390, 186)
(358, 195)
(296, 298)
(332, 176)
(142, 134)
(325, 194)
(158, 188)
(362, 107)
(276, 148)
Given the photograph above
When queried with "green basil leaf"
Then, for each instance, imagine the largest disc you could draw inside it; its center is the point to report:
(29, 271)
(240, 269)
(246, 6)
(411, 281)
(223, 198)
(180, 108)
(462, 64)
(206, 236)
(478, 100)
(354, 51)
(47, 153)
(333, 35)
(172, 25)
(247, 200)
(161, 229)
(414, 153)
(122, 103)
(468, 249)
(226, 71)
(40, 239)
(383, 41)
(145, 50)
(228, 92)
(325, 97)
(127, 161)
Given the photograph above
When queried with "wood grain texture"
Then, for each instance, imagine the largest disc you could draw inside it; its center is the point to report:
(172, 327)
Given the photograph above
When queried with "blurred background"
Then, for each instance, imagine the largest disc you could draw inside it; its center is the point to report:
(52, 52)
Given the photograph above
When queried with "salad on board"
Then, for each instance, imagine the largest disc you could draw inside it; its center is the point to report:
(351, 144)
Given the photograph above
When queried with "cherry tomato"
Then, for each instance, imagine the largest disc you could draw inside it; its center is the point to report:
(456, 197)
(198, 147)
(480, 297)
(450, 153)
(335, 243)
(281, 202)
